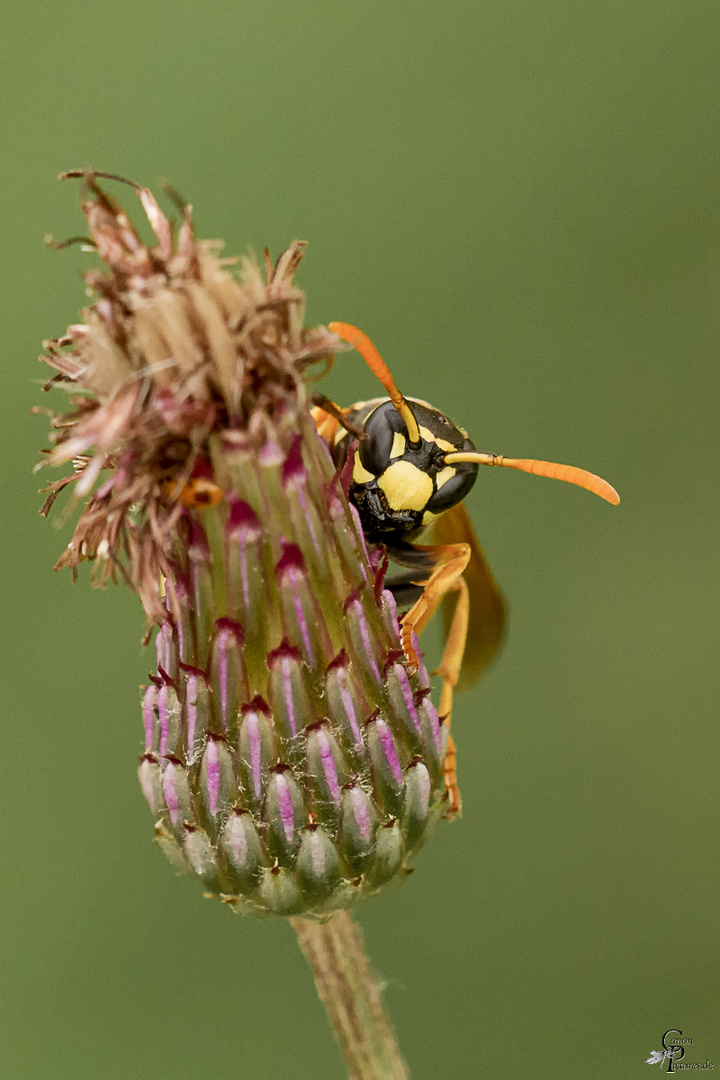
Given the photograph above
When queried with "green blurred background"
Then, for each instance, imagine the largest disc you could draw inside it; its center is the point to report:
(520, 203)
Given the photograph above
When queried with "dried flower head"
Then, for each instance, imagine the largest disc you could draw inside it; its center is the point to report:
(292, 760)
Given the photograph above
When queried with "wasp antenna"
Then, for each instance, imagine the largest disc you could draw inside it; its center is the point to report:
(377, 365)
(554, 471)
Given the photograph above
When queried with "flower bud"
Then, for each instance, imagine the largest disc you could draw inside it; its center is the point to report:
(319, 869)
(385, 764)
(245, 857)
(257, 751)
(178, 800)
(291, 758)
(284, 814)
(326, 771)
(169, 720)
(358, 825)
(196, 712)
(228, 679)
(217, 782)
(150, 776)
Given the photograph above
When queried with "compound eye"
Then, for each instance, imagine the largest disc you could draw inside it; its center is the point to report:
(380, 428)
(453, 490)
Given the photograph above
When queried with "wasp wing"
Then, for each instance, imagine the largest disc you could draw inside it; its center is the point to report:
(487, 606)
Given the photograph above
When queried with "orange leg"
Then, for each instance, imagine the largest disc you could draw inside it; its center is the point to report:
(451, 561)
(326, 424)
(450, 776)
(329, 417)
(449, 670)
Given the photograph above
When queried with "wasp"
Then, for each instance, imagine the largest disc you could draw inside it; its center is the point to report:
(412, 468)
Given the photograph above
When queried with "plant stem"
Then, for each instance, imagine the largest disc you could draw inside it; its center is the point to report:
(351, 996)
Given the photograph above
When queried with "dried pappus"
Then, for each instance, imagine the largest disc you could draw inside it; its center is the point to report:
(292, 760)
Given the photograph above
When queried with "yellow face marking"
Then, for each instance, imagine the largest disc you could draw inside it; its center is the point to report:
(405, 486)
(360, 473)
(444, 475)
(442, 443)
(339, 435)
(398, 445)
(428, 517)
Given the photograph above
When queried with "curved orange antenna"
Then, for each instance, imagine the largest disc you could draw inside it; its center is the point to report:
(377, 365)
(570, 473)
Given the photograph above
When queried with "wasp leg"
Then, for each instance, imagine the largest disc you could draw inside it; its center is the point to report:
(450, 562)
(449, 671)
(325, 423)
(325, 411)
(452, 658)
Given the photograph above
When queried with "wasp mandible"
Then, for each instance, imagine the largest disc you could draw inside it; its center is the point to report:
(411, 471)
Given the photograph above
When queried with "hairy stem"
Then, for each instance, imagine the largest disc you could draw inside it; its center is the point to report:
(351, 997)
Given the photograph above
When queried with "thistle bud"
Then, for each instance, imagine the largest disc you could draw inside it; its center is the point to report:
(257, 752)
(244, 854)
(292, 760)
(177, 797)
(227, 674)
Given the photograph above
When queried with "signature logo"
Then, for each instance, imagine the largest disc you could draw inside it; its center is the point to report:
(673, 1052)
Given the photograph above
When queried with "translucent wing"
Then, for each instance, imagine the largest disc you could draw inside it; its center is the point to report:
(487, 606)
